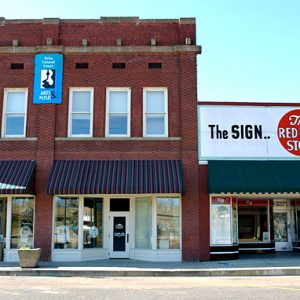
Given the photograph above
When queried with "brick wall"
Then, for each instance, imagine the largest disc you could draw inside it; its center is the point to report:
(102, 32)
(49, 123)
(136, 75)
(204, 227)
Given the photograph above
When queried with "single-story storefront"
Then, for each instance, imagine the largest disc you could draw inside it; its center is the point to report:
(254, 207)
(101, 209)
(250, 154)
(17, 204)
(116, 209)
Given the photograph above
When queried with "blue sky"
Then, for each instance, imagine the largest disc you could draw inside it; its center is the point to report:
(251, 48)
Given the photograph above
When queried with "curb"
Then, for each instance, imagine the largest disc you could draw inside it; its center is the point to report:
(106, 272)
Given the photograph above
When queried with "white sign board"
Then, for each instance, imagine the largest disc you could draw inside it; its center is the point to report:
(248, 132)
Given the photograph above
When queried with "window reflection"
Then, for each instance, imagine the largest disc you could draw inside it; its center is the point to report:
(2, 219)
(297, 220)
(92, 223)
(22, 222)
(168, 223)
(66, 223)
(143, 223)
(253, 220)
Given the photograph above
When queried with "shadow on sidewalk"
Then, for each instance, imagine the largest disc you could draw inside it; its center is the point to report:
(283, 259)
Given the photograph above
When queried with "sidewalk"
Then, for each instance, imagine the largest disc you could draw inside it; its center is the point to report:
(280, 264)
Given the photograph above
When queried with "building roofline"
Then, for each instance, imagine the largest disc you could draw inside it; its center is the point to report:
(101, 20)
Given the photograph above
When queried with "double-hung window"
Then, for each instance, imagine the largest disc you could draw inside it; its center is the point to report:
(14, 113)
(118, 112)
(81, 112)
(155, 112)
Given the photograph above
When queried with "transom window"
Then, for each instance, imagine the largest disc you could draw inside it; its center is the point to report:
(118, 112)
(81, 112)
(155, 112)
(14, 113)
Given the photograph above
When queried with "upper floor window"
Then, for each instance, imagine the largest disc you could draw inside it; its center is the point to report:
(155, 112)
(14, 113)
(118, 112)
(81, 112)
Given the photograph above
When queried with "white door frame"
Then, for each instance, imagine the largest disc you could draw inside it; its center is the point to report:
(284, 246)
(119, 254)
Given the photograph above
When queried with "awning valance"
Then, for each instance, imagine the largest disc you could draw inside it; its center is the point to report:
(254, 176)
(115, 177)
(17, 176)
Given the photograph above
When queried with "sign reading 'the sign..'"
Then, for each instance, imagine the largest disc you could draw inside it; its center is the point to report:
(48, 72)
(246, 132)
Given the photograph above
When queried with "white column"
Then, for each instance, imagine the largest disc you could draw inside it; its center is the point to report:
(80, 222)
(8, 222)
(154, 224)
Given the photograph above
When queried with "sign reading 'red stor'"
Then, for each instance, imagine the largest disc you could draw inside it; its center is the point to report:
(289, 131)
(245, 132)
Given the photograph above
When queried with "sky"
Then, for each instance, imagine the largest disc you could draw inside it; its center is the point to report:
(251, 48)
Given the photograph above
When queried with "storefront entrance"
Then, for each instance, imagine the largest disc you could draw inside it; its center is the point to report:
(119, 236)
(282, 225)
(119, 228)
(253, 225)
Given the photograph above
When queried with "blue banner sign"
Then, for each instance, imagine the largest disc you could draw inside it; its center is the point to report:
(48, 72)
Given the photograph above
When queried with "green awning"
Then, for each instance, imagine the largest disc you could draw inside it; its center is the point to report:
(254, 176)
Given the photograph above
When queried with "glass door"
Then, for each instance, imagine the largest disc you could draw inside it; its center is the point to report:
(119, 236)
(119, 228)
(282, 228)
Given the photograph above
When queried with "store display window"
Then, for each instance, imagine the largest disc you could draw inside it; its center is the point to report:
(221, 224)
(253, 220)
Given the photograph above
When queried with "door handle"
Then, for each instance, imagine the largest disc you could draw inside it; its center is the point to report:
(127, 237)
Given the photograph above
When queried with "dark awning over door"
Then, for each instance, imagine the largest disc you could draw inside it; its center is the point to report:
(17, 176)
(254, 176)
(115, 177)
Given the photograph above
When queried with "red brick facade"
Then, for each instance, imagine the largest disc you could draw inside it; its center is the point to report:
(47, 125)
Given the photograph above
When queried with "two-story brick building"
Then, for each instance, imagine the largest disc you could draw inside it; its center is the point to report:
(98, 142)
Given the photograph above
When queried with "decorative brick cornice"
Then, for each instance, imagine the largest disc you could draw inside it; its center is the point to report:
(101, 20)
(102, 49)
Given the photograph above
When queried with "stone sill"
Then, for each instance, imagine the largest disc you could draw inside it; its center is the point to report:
(28, 139)
(118, 139)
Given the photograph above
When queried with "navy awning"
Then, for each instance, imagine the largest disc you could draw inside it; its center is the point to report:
(115, 177)
(17, 176)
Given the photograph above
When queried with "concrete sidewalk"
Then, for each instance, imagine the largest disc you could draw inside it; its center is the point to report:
(280, 264)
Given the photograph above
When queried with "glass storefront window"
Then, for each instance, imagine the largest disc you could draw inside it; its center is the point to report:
(66, 223)
(253, 225)
(143, 223)
(168, 223)
(22, 222)
(234, 221)
(93, 223)
(2, 219)
(297, 219)
(221, 221)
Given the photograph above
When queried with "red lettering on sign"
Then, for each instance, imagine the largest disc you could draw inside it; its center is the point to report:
(288, 131)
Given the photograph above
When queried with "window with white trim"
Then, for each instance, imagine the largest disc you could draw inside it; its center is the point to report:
(81, 112)
(168, 223)
(155, 112)
(22, 216)
(14, 113)
(118, 112)
(143, 223)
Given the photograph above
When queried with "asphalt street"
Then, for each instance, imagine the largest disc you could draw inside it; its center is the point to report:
(74, 288)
